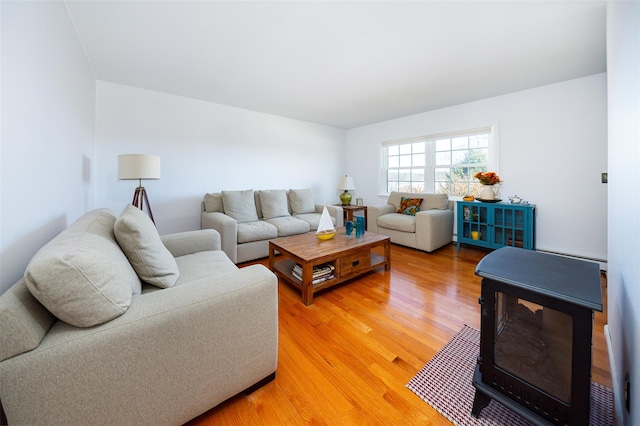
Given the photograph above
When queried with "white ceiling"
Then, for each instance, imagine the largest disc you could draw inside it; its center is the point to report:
(341, 63)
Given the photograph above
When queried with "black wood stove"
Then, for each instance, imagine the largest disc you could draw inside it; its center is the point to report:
(535, 335)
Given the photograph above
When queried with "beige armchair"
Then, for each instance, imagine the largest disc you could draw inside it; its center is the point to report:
(429, 229)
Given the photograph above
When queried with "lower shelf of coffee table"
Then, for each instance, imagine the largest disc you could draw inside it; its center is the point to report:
(346, 268)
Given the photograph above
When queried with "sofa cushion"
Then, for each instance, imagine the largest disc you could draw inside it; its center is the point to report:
(240, 205)
(289, 226)
(313, 219)
(409, 206)
(256, 231)
(399, 222)
(213, 202)
(83, 279)
(273, 203)
(302, 201)
(203, 264)
(140, 242)
(434, 201)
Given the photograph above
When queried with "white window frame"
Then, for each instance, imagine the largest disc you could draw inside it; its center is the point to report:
(430, 166)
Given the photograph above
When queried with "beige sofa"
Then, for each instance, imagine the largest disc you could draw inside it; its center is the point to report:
(128, 352)
(247, 220)
(429, 229)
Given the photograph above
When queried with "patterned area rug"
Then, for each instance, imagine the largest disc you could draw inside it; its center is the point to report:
(445, 383)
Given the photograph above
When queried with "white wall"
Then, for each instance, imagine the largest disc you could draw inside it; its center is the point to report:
(48, 125)
(623, 71)
(552, 149)
(206, 147)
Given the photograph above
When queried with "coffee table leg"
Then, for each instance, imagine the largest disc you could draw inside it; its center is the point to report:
(307, 286)
(387, 256)
(272, 257)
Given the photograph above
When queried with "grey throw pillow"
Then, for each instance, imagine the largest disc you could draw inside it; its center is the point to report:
(140, 242)
(274, 203)
(302, 201)
(240, 205)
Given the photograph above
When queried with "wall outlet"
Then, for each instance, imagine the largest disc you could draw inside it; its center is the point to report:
(604, 177)
(627, 393)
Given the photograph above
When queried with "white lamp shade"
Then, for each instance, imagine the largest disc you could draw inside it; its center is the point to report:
(346, 183)
(138, 166)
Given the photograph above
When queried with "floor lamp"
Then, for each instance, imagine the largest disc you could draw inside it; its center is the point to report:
(139, 166)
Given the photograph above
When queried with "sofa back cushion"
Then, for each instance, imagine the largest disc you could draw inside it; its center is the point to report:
(141, 243)
(273, 203)
(240, 205)
(429, 201)
(302, 201)
(82, 276)
(213, 202)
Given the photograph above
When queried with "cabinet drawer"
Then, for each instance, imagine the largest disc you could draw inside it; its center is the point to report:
(353, 263)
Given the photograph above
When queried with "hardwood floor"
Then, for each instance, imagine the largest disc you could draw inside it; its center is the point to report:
(346, 358)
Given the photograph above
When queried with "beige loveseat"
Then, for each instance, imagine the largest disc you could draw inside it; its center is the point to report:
(247, 220)
(128, 352)
(429, 229)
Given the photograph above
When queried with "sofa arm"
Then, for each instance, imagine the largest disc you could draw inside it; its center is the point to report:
(183, 243)
(434, 229)
(227, 227)
(374, 212)
(334, 211)
(173, 355)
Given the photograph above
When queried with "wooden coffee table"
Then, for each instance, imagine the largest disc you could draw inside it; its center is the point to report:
(350, 257)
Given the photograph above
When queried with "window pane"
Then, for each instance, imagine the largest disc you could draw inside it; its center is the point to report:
(443, 145)
(460, 143)
(393, 150)
(460, 157)
(417, 175)
(418, 160)
(418, 147)
(392, 175)
(480, 155)
(394, 162)
(405, 149)
(479, 141)
(405, 161)
(443, 158)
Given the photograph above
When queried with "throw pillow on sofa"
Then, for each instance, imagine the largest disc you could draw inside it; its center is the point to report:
(82, 278)
(410, 206)
(240, 205)
(302, 201)
(273, 203)
(140, 242)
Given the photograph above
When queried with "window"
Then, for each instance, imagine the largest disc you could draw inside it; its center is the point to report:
(442, 164)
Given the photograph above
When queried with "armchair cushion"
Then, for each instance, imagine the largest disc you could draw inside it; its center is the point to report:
(67, 279)
(302, 201)
(273, 203)
(141, 243)
(240, 205)
(410, 206)
(399, 222)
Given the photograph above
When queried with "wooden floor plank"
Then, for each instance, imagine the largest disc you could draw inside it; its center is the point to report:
(346, 358)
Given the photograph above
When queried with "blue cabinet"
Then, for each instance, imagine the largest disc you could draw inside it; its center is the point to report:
(495, 225)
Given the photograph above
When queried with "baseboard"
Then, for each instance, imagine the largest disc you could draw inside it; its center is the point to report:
(617, 402)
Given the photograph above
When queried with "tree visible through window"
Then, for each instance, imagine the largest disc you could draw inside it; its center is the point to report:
(443, 164)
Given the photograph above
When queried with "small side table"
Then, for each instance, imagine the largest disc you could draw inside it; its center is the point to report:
(350, 209)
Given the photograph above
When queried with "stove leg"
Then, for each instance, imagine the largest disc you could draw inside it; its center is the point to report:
(479, 402)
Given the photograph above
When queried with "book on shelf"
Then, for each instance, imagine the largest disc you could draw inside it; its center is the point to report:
(316, 280)
(318, 270)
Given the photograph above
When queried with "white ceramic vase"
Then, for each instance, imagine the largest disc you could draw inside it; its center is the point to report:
(489, 192)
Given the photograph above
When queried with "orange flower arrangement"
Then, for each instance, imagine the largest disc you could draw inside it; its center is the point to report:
(488, 178)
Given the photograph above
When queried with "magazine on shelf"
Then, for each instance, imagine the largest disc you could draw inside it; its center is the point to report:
(318, 270)
(316, 280)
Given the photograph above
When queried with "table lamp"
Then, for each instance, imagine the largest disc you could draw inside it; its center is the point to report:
(139, 166)
(346, 184)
